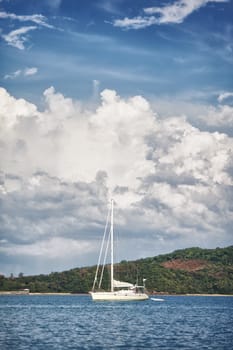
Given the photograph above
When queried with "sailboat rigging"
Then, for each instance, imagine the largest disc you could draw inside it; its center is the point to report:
(119, 291)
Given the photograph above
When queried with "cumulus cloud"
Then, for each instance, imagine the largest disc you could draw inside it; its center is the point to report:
(11, 110)
(221, 116)
(172, 182)
(172, 13)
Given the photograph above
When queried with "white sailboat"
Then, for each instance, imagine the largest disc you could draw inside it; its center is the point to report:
(120, 291)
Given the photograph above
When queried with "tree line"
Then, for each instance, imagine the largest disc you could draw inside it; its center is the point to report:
(215, 275)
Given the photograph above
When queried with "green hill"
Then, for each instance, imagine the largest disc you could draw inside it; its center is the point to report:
(192, 270)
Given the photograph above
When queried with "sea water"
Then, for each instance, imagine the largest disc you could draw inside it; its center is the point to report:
(76, 322)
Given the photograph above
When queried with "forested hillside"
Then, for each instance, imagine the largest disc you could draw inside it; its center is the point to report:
(192, 270)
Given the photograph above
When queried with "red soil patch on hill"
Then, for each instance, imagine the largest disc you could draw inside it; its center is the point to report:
(187, 265)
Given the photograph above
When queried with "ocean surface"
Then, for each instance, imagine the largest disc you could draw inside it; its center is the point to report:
(76, 322)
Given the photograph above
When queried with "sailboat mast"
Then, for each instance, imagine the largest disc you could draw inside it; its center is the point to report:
(111, 233)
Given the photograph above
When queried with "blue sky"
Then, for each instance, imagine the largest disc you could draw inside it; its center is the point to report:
(77, 42)
(122, 98)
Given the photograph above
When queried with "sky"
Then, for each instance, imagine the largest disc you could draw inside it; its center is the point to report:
(123, 99)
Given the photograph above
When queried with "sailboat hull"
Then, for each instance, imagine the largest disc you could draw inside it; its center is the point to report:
(118, 296)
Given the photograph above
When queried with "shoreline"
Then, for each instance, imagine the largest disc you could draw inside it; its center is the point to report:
(16, 293)
(37, 293)
(193, 295)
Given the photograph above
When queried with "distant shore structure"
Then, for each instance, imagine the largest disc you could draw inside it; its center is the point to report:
(25, 291)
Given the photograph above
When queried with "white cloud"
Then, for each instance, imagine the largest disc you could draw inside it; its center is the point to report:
(30, 71)
(190, 156)
(172, 182)
(24, 72)
(13, 75)
(37, 18)
(17, 37)
(135, 23)
(172, 13)
(220, 116)
(178, 11)
(225, 95)
(11, 110)
(54, 248)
